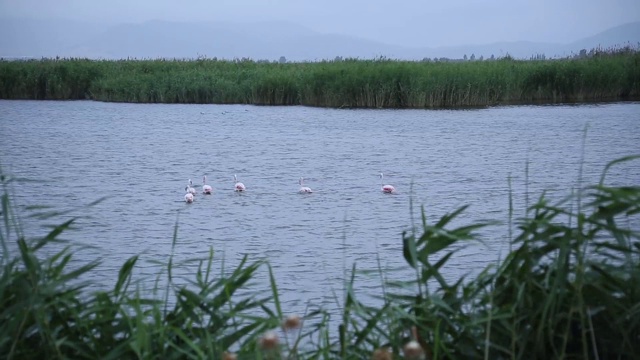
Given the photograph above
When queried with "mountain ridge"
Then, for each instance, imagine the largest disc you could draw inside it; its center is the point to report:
(268, 40)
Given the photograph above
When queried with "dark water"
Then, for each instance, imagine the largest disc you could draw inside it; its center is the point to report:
(141, 156)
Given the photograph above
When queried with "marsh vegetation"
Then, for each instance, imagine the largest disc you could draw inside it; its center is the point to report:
(569, 287)
(382, 83)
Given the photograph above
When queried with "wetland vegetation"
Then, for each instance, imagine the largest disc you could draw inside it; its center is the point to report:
(568, 288)
(612, 75)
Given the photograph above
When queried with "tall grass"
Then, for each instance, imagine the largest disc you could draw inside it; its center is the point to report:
(569, 288)
(381, 83)
(47, 311)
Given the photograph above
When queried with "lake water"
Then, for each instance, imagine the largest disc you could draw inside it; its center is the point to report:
(141, 156)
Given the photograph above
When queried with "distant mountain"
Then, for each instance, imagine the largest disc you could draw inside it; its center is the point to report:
(37, 38)
(265, 40)
(619, 35)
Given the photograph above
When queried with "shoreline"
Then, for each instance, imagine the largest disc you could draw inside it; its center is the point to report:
(461, 108)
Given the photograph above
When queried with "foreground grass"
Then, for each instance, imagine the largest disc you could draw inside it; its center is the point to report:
(568, 289)
(606, 76)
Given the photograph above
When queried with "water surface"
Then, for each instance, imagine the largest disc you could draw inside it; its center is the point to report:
(141, 156)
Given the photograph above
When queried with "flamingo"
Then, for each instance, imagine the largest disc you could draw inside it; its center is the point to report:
(191, 189)
(206, 189)
(188, 198)
(386, 188)
(239, 186)
(303, 189)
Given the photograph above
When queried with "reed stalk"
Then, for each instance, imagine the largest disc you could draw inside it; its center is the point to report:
(605, 76)
(568, 288)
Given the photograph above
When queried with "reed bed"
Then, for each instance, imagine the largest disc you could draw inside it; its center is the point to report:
(569, 288)
(604, 76)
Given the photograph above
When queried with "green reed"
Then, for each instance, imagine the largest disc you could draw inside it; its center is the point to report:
(605, 76)
(568, 288)
(47, 310)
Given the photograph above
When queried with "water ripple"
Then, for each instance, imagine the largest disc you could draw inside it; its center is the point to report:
(141, 156)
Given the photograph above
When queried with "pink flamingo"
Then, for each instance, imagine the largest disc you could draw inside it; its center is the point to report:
(206, 189)
(303, 189)
(386, 188)
(239, 186)
(191, 189)
(188, 198)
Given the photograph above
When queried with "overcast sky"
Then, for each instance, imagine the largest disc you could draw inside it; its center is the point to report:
(409, 22)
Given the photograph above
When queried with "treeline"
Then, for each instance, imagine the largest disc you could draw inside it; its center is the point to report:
(382, 83)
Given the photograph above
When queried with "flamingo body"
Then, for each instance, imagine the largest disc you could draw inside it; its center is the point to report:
(190, 188)
(239, 186)
(188, 198)
(304, 189)
(388, 189)
(206, 189)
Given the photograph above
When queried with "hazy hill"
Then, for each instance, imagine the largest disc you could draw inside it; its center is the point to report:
(266, 40)
(623, 34)
(36, 38)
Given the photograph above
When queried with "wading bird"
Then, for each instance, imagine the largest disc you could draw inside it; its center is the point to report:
(239, 186)
(206, 189)
(386, 188)
(191, 189)
(188, 198)
(303, 189)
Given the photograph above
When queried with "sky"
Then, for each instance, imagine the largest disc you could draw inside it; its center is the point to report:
(409, 23)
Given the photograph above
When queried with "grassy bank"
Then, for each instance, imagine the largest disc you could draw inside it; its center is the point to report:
(606, 76)
(568, 288)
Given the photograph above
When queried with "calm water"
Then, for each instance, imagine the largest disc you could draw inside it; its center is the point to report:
(141, 156)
